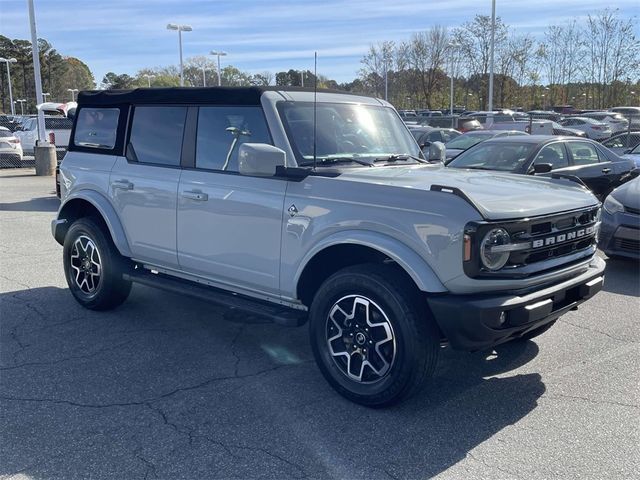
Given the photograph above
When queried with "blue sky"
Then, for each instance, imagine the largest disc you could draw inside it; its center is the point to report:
(125, 36)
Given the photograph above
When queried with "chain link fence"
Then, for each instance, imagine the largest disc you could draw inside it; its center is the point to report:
(17, 140)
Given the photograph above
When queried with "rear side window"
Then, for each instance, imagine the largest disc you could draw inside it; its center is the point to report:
(96, 128)
(58, 123)
(221, 131)
(156, 134)
(583, 153)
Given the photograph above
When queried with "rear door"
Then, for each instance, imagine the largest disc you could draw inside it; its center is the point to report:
(143, 185)
(590, 166)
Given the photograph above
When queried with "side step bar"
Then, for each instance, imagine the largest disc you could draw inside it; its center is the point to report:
(279, 314)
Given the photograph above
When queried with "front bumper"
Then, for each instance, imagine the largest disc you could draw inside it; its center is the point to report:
(476, 322)
(620, 234)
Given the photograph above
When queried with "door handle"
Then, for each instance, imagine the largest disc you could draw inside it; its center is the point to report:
(122, 184)
(606, 170)
(195, 195)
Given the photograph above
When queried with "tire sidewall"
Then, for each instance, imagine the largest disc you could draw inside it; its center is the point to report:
(398, 312)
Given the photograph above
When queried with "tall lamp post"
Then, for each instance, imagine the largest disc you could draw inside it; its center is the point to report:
(73, 92)
(149, 77)
(180, 29)
(45, 95)
(453, 46)
(21, 101)
(218, 54)
(204, 76)
(8, 61)
(492, 49)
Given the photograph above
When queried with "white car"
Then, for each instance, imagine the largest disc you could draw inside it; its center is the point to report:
(630, 113)
(595, 130)
(57, 128)
(10, 149)
(615, 120)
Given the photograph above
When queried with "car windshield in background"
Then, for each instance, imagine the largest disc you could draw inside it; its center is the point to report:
(508, 157)
(345, 131)
(468, 140)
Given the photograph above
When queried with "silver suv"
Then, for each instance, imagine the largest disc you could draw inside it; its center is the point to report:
(318, 207)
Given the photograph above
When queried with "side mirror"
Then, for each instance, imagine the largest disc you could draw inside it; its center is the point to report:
(259, 159)
(437, 152)
(542, 168)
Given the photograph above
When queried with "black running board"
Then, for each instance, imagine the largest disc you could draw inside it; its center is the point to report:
(239, 303)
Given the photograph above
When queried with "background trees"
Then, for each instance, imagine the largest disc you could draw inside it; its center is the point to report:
(591, 63)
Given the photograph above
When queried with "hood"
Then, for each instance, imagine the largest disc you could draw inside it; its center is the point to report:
(498, 196)
(629, 194)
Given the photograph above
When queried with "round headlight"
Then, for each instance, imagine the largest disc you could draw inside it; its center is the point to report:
(492, 259)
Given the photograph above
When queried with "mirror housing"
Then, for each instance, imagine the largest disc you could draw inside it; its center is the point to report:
(437, 152)
(259, 159)
(542, 168)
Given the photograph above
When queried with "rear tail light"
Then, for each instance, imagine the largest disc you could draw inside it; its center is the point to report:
(52, 138)
(598, 128)
(14, 140)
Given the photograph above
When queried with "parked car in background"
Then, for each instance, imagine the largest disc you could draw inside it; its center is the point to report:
(545, 115)
(565, 109)
(595, 130)
(615, 120)
(460, 123)
(630, 113)
(10, 149)
(499, 116)
(58, 130)
(623, 142)
(633, 154)
(425, 135)
(459, 144)
(567, 131)
(620, 227)
(599, 168)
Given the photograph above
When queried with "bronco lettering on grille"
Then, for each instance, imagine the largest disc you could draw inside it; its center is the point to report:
(553, 240)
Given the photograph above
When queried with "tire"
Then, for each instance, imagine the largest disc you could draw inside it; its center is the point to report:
(402, 338)
(93, 266)
(536, 332)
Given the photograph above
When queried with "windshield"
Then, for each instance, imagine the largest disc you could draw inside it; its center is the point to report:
(468, 140)
(508, 157)
(345, 131)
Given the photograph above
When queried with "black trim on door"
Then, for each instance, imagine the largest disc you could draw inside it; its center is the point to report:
(188, 157)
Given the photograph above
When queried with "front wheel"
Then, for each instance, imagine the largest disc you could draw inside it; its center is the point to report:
(371, 335)
(94, 267)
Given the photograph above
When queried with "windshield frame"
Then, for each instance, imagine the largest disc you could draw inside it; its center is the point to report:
(303, 161)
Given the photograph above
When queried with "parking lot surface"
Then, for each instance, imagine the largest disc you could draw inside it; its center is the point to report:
(170, 387)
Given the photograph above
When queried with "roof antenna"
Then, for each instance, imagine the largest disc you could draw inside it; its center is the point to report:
(315, 95)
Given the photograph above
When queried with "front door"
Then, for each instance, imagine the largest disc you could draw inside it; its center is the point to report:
(229, 225)
(144, 185)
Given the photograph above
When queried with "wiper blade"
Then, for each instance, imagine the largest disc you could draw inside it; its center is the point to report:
(396, 157)
(333, 160)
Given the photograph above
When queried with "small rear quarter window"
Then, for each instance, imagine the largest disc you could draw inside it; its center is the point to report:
(97, 128)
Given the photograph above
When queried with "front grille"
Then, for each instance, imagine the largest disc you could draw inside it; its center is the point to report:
(633, 211)
(553, 236)
(627, 244)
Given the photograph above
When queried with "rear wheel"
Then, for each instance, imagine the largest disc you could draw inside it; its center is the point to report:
(94, 267)
(371, 335)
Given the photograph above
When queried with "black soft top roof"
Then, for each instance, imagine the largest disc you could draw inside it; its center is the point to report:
(184, 95)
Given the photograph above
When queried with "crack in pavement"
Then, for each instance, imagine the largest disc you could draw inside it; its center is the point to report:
(584, 327)
(493, 467)
(150, 466)
(558, 396)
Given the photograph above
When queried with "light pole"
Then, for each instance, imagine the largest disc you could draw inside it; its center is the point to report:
(386, 79)
(8, 61)
(218, 54)
(45, 95)
(21, 101)
(180, 29)
(35, 50)
(149, 77)
(73, 92)
(493, 41)
(302, 78)
(204, 77)
(453, 46)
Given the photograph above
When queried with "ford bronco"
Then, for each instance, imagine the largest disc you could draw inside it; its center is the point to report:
(318, 207)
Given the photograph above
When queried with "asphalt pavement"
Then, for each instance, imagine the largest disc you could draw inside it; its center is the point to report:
(169, 387)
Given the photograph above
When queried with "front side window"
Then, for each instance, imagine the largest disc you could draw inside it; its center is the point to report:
(345, 131)
(583, 153)
(553, 154)
(508, 157)
(97, 127)
(221, 131)
(156, 134)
